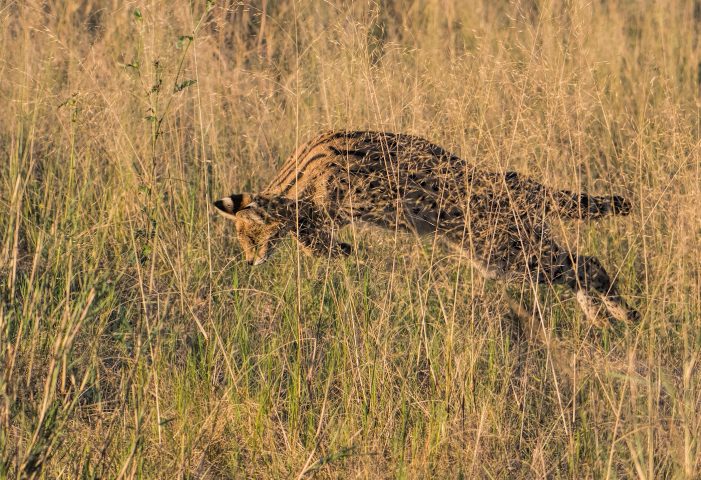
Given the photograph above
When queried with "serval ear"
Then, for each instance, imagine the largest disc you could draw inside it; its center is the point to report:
(229, 206)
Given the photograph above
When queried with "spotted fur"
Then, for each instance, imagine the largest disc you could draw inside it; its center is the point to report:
(404, 182)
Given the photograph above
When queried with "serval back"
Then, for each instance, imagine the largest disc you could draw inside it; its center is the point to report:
(404, 182)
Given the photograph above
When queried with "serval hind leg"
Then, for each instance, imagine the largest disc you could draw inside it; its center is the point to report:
(592, 276)
(596, 293)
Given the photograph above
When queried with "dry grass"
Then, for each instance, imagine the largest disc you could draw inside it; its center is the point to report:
(134, 342)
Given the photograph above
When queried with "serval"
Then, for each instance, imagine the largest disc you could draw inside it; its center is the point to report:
(405, 182)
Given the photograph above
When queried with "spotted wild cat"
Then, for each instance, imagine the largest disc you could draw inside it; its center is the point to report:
(404, 182)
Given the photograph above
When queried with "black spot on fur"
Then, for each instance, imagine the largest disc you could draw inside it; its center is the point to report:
(348, 152)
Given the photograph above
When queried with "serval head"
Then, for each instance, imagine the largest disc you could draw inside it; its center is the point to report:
(258, 226)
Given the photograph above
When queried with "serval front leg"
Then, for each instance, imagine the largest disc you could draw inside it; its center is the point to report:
(318, 240)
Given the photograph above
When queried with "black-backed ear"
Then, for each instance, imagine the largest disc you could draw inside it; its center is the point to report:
(229, 206)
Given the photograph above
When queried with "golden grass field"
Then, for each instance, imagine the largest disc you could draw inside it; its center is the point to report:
(135, 342)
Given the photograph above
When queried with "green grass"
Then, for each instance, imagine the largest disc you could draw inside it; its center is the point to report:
(135, 342)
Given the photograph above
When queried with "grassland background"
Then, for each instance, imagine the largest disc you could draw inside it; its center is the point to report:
(135, 342)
